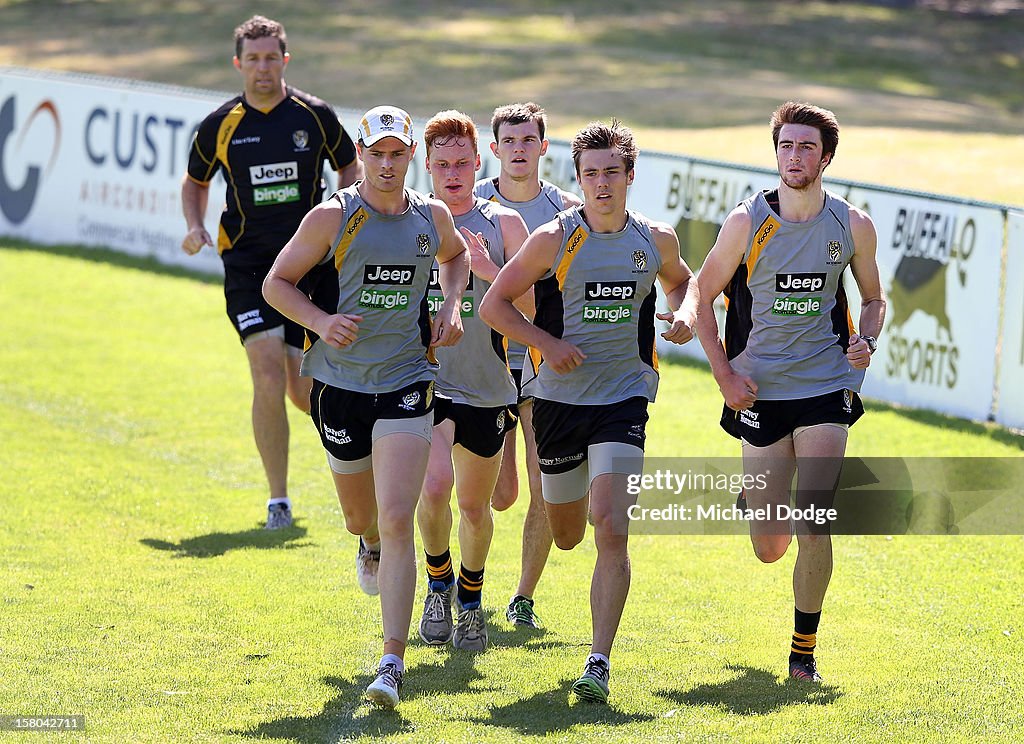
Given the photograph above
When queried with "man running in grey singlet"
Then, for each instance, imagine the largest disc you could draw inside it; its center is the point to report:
(519, 144)
(475, 395)
(372, 400)
(792, 364)
(594, 268)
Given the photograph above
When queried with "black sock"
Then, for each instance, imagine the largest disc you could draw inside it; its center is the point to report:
(439, 568)
(805, 635)
(471, 584)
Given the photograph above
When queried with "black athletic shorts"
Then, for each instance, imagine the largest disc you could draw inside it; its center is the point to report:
(768, 421)
(480, 430)
(249, 312)
(345, 419)
(564, 431)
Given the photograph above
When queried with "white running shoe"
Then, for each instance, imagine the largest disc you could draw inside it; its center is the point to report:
(367, 565)
(384, 690)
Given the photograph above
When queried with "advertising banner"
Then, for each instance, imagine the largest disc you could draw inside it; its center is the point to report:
(1011, 367)
(99, 162)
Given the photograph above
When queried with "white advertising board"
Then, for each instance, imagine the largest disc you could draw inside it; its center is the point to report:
(1011, 367)
(99, 162)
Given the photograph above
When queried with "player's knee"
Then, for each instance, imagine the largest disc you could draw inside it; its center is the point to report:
(437, 491)
(567, 538)
(268, 380)
(299, 396)
(477, 513)
(358, 524)
(504, 496)
(396, 525)
(769, 550)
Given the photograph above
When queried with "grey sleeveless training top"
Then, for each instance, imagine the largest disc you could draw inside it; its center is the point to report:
(535, 212)
(600, 296)
(383, 264)
(788, 323)
(474, 371)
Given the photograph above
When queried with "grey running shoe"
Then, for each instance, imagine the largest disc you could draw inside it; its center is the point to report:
(437, 625)
(367, 565)
(383, 691)
(520, 612)
(279, 516)
(593, 685)
(471, 629)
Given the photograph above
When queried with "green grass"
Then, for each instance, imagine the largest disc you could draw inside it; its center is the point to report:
(140, 591)
(928, 100)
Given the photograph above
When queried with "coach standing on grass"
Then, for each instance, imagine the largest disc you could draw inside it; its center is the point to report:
(792, 363)
(594, 267)
(270, 143)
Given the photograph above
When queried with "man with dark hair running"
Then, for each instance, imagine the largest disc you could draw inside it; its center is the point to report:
(792, 363)
(594, 268)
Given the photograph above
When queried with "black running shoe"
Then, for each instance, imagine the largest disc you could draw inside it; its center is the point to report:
(805, 669)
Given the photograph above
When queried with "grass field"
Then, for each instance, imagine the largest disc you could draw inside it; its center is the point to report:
(929, 99)
(140, 592)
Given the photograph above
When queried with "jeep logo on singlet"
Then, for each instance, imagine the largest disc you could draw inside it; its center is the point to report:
(273, 173)
(435, 283)
(610, 290)
(799, 282)
(388, 274)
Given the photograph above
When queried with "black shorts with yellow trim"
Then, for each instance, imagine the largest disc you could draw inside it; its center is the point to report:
(768, 421)
(479, 430)
(345, 419)
(564, 431)
(247, 309)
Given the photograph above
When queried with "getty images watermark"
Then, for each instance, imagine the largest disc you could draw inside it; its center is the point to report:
(734, 484)
(866, 496)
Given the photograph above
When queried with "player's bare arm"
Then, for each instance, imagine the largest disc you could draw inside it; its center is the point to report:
(350, 173)
(514, 233)
(305, 250)
(453, 276)
(194, 197)
(739, 391)
(570, 200)
(865, 272)
(517, 277)
(680, 286)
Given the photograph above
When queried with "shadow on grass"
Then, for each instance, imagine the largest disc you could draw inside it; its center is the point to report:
(115, 258)
(344, 717)
(219, 543)
(347, 716)
(754, 692)
(549, 712)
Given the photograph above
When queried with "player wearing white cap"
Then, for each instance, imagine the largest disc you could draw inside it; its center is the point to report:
(373, 389)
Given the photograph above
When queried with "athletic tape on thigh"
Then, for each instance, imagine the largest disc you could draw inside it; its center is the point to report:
(614, 457)
(801, 429)
(564, 488)
(349, 467)
(421, 426)
(275, 332)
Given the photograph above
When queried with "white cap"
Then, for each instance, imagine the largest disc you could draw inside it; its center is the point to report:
(385, 121)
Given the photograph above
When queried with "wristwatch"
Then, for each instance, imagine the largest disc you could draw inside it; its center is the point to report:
(872, 343)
